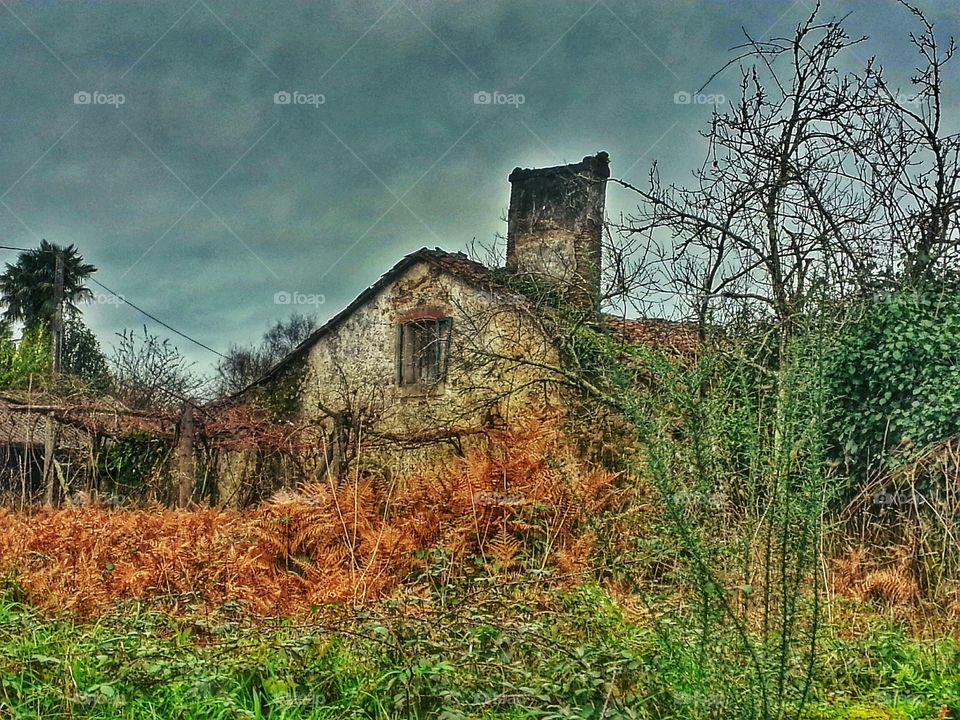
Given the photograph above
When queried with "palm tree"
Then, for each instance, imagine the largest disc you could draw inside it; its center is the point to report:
(27, 287)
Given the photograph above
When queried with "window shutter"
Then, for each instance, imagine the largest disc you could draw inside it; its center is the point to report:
(446, 332)
(435, 350)
(399, 354)
(423, 349)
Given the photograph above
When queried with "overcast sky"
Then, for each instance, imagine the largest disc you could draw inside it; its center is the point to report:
(151, 134)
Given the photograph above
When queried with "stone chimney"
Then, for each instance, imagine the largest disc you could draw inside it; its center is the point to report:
(555, 226)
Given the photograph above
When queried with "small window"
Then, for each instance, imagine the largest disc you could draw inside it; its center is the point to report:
(423, 348)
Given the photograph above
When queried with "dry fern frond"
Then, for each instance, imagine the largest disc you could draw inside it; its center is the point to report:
(890, 585)
(524, 493)
(503, 548)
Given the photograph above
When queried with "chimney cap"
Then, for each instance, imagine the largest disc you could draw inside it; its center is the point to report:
(598, 165)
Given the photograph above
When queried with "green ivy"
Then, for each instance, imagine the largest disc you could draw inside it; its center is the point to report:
(128, 464)
(283, 395)
(894, 376)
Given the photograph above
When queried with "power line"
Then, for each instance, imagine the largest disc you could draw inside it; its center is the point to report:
(157, 320)
(135, 307)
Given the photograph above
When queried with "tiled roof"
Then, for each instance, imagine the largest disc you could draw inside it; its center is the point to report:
(77, 419)
(681, 338)
(455, 263)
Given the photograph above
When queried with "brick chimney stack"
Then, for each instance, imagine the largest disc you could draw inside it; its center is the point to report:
(555, 226)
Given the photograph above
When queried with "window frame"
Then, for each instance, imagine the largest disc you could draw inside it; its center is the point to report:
(440, 331)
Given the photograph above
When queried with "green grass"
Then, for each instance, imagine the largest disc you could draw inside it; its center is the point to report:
(574, 656)
(140, 664)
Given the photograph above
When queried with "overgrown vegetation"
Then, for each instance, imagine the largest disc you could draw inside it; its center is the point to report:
(524, 505)
(131, 469)
(25, 364)
(774, 493)
(485, 651)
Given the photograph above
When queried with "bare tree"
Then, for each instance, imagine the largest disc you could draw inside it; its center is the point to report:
(151, 373)
(816, 183)
(777, 210)
(914, 165)
(244, 365)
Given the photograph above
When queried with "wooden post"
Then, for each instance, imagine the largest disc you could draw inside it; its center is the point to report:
(49, 446)
(186, 468)
(56, 326)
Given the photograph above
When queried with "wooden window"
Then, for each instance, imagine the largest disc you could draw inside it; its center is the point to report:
(423, 347)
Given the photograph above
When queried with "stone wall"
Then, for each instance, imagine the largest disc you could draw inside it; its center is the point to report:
(353, 368)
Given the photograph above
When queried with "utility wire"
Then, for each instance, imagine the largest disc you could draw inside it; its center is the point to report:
(157, 320)
(135, 307)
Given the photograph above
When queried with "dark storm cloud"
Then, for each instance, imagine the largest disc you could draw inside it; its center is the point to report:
(200, 198)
